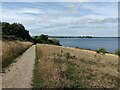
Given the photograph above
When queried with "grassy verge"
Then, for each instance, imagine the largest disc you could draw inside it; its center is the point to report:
(11, 50)
(37, 81)
(72, 68)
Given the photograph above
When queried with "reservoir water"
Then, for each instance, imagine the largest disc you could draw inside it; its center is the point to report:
(110, 44)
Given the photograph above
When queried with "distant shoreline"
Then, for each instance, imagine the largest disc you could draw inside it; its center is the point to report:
(78, 37)
(70, 42)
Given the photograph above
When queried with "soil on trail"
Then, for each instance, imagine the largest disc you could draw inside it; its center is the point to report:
(19, 74)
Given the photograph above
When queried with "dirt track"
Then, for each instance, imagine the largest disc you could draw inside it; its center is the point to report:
(20, 73)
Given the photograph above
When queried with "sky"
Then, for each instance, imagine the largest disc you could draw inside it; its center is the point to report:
(60, 0)
(64, 18)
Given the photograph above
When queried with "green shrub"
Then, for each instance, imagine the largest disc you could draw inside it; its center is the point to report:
(77, 47)
(101, 50)
(55, 42)
(45, 40)
(67, 55)
(117, 52)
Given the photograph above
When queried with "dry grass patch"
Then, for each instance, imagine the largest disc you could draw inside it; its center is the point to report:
(12, 49)
(76, 68)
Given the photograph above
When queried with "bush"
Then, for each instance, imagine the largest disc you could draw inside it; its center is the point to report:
(77, 47)
(117, 52)
(101, 50)
(45, 40)
(55, 42)
(67, 55)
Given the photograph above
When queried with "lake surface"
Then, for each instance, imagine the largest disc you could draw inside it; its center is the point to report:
(110, 44)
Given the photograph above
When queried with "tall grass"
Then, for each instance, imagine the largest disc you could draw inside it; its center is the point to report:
(11, 50)
(72, 68)
(117, 52)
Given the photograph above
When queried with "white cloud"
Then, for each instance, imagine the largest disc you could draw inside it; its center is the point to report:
(64, 22)
(30, 10)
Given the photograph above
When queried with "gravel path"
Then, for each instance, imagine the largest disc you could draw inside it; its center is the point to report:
(20, 73)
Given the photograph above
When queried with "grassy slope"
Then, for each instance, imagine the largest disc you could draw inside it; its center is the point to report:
(69, 67)
(11, 50)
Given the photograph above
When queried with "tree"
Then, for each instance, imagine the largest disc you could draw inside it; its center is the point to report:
(44, 39)
(5, 28)
(15, 30)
